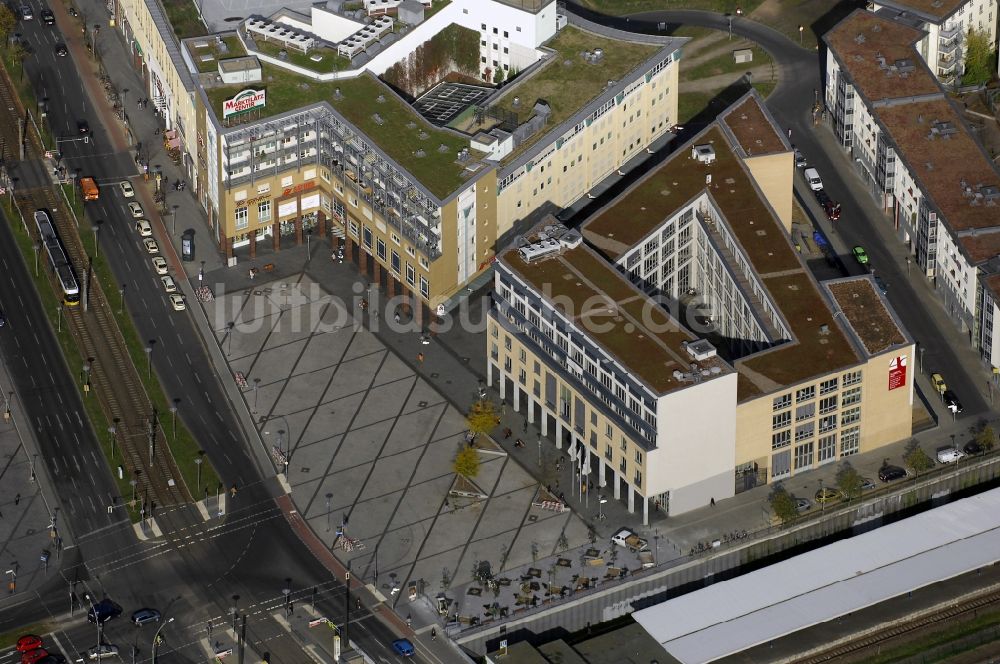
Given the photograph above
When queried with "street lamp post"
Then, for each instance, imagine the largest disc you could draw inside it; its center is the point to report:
(198, 462)
(113, 430)
(600, 507)
(173, 220)
(121, 298)
(97, 619)
(173, 421)
(229, 337)
(149, 361)
(539, 451)
(36, 246)
(328, 497)
(256, 384)
(156, 637)
(801, 29)
(97, 246)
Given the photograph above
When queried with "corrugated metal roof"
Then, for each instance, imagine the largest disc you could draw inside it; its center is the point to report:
(832, 581)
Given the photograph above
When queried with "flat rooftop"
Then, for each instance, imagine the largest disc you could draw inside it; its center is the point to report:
(948, 166)
(866, 313)
(567, 82)
(533, 6)
(754, 130)
(819, 345)
(879, 56)
(598, 299)
(401, 133)
(937, 10)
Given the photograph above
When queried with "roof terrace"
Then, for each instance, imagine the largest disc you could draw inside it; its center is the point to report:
(866, 313)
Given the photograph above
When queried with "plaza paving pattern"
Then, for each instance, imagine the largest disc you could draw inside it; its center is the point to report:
(373, 441)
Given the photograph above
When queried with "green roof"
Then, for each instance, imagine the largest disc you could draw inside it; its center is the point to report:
(567, 82)
(438, 171)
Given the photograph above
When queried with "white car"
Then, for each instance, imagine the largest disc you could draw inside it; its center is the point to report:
(135, 209)
(143, 227)
(159, 264)
(177, 302)
(168, 284)
(127, 190)
(102, 651)
(151, 246)
(949, 455)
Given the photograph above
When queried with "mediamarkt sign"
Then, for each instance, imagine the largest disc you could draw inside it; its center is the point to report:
(243, 102)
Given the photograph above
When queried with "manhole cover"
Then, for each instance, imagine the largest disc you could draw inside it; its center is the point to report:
(435, 375)
(465, 359)
(304, 469)
(422, 404)
(532, 517)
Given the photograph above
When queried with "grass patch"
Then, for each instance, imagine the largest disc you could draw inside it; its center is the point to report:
(622, 7)
(438, 171)
(182, 443)
(437, 6)
(26, 93)
(568, 87)
(234, 49)
(331, 61)
(724, 63)
(184, 18)
(690, 104)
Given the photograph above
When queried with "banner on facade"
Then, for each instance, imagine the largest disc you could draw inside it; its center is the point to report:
(309, 202)
(897, 372)
(244, 102)
(288, 208)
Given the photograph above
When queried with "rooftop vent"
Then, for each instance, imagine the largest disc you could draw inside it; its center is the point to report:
(905, 66)
(541, 249)
(700, 350)
(860, 39)
(990, 192)
(704, 153)
(824, 329)
(571, 239)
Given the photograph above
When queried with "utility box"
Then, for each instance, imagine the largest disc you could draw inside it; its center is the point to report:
(743, 55)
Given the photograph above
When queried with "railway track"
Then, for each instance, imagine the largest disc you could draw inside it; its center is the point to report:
(873, 640)
(113, 376)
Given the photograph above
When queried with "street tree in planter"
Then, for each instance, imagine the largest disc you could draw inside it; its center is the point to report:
(782, 503)
(916, 458)
(466, 462)
(848, 480)
(482, 417)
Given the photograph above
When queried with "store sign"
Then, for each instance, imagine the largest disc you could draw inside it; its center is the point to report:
(305, 186)
(309, 202)
(248, 202)
(244, 102)
(288, 208)
(897, 372)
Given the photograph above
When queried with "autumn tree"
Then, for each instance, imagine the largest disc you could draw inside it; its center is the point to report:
(782, 503)
(916, 458)
(7, 21)
(978, 58)
(986, 437)
(482, 417)
(466, 462)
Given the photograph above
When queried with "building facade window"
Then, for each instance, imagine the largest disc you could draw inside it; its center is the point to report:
(852, 378)
(425, 287)
(784, 401)
(781, 420)
(828, 423)
(851, 415)
(827, 448)
(851, 396)
(380, 248)
(828, 386)
(827, 405)
(804, 456)
(264, 211)
(410, 274)
(395, 261)
(242, 217)
(781, 439)
(806, 393)
(850, 441)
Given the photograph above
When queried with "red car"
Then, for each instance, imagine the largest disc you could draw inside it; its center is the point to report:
(33, 656)
(29, 642)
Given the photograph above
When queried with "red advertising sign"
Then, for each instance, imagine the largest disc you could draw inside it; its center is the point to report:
(897, 372)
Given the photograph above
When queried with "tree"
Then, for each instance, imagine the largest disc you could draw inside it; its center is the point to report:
(978, 59)
(986, 437)
(7, 22)
(848, 480)
(18, 53)
(466, 462)
(782, 503)
(916, 458)
(482, 417)
(498, 76)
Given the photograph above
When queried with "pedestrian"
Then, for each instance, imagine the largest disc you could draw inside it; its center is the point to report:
(789, 132)
(506, 433)
(420, 358)
(396, 318)
(434, 634)
(17, 499)
(503, 406)
(524, 427)
(713, 502)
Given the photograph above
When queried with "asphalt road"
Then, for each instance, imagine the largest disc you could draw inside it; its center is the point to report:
(195, 569)
(861, 219)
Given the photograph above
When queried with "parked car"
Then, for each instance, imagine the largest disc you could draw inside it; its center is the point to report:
(143, 227)
(61, 50)
(145, 616)
(135, 210)
(52, 658)
(832, 209)
(159, 264)
(972, 448)
(888, 473)
(949, 455)
(802, 505)
(403, 647)
(860, 255)
(102, 651)
(951, 401)
(48, 18)
(168, 284)
(33, 656)
(880, 285)
(800, 159)
(127, 190)
(177, 302)
(151, 246)
(937, 380)
(822, 198)
(828, 495)
(82, 127)
(28, 642)
(628, 539)
(26, 13)
(103, 611)
(867, 484)
(813, 179)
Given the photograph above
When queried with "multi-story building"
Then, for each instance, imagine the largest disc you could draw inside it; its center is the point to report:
(945, 25)
(294, 135)
(678, 343)
(922, 162)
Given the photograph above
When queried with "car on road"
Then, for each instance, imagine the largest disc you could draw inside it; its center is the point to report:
(822, 198)
(867, 484)
(145, 616)
(168, 284)
(3, 320)
(33, 656)
(832, 209)
(103, 611)
(143, 227)
(828, 495)
(972, 448)
(888, 473)
(151, 246)
(135, 210)
(26, 13)
(800, 159)
(177, 302)
(28, 642)
(102, 651)
(61, 50)
(949, 455)
(951, 401)
(813, 179)
(159, 264)
(52, 658)
(860, 255)
(802, 505)
(127, 190)
(82, 127)
(403, 647)
(881, 285)
(48, 18)
(937, 380)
